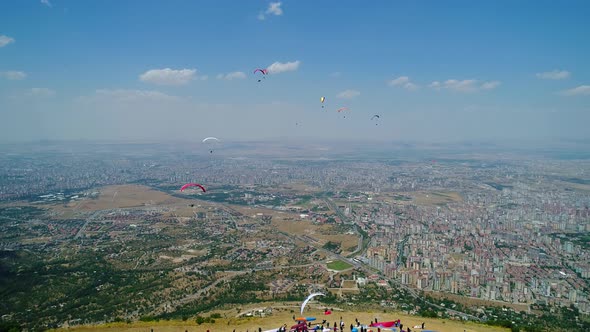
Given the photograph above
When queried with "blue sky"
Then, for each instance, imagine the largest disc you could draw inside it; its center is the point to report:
(167, 70)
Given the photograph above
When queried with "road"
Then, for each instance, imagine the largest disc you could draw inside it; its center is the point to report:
(171, 306)
(360, 248)
(89, 219)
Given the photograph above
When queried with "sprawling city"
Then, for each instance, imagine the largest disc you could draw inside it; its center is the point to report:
(294, 166)
(99, 233)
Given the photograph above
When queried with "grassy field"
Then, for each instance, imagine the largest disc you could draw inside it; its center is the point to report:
(338, 265)
(282, 314)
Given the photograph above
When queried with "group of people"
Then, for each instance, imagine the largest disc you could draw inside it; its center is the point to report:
(303, 326)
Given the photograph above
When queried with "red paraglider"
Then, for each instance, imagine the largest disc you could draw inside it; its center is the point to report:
(299, 327)
(263, 71)
(383, 324)
(192, 185)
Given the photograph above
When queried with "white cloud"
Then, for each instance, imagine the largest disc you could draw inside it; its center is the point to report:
(336, 74)
(404, 81)
(41, 92)
(13, 75)
(348, 94)
(46, 3)
(279, 67)
(490, 85)
(5, 40)
(461, 86)
(435, 85)
(236, 75)
(399, 81)
(411, 86)
(582, 90)
(554, 75)
(204, 77)
(464, 85)
(168, 76)
(274, 8)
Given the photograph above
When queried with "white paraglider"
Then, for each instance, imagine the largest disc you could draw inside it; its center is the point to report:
(212, 143)
(308, 299)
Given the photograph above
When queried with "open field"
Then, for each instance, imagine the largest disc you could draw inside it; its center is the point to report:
(469, 301)
(576, 186)
(436, 198)
(120, 196)
(321, 233)
(299, 188)
(282, 314)
(338, 265)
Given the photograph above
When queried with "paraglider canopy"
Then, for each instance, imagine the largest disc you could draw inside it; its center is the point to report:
(188, 185)
(263, 71)
(322, 99)
(210, 139)
(308, 299)
(299, 327)
(211, 142)
(383, 324)
(376, 116)
(342, 109)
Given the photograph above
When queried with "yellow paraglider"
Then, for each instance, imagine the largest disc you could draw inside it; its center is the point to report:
(322, 99)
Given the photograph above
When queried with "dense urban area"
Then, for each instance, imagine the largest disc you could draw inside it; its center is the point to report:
(92, 233)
